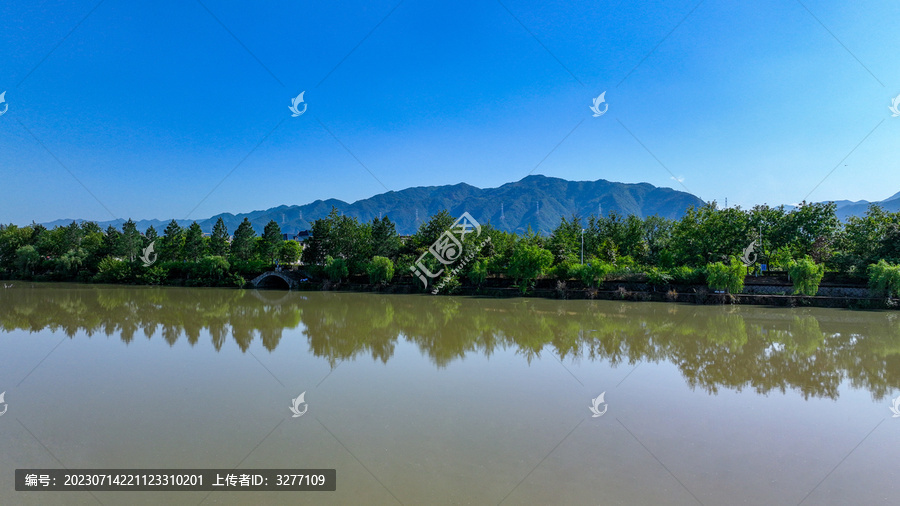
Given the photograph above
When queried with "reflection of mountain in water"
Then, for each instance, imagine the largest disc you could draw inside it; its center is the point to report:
(714, 347)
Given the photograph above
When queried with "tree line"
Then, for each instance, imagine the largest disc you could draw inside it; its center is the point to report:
(703, 246)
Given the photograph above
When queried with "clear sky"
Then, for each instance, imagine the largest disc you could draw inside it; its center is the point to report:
(179, 109)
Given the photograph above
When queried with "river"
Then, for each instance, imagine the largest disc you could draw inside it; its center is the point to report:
(416, 399)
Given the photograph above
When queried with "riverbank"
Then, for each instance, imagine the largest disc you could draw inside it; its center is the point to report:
(758, 291)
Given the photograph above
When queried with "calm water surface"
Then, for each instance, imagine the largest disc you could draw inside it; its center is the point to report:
(438, 400)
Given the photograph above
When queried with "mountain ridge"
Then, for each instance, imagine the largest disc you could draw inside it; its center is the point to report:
(535, 201)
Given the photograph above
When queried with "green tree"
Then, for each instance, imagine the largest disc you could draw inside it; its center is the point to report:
(151, 235)
(243, 242)
(132, 243)
(289, 252)
(430, 230)
(12, 238)
(384, 240)
(527, 263)
(194, 244)
(381, 270)
(171, 244)
(884, 279)
(218, 242)
(339, 236)
(271, 240)
(565, 241)
(478, 273)
(728, 277)
(336, 268)
(806, 275)
(27, 260)
(594, 272)
(112, 242)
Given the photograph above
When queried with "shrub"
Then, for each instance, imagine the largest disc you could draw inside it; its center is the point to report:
(380, 270)
(564, 270)
(658, 277)
(153, 275)
(528, 262)
(594, 272)
(478, 273)
(211, 271)
(113, 270)
(780, 259)
(685, 275)
(884, 279)
(336, 268)
(806, 275)
(728, 277)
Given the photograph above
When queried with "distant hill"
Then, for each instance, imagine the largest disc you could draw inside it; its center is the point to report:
(846, 208)
(535, 201)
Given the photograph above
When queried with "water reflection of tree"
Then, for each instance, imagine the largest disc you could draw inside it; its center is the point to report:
(714, 347)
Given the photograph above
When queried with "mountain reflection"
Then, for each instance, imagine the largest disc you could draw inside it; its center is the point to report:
(810, 351)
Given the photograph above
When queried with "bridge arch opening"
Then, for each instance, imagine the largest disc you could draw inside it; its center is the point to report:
(274, 283)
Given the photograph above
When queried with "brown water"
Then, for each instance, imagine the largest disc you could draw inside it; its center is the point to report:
(435, 400)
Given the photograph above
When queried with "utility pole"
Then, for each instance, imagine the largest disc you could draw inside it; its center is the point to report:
(582, 246)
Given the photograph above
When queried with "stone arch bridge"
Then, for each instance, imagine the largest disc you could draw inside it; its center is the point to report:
(279, 279)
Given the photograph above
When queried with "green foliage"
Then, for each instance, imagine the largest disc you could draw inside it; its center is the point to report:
(593, 273)
(384, 239)
(527, 263)
(478, 273)
(113, 270)
(658, 277)
(218, 241)
(131, 241)
(565, 241)
(242, 246)
(564, 270)
(336, 268)
(212, 270)
(685, 275)
(430, 230)
(11, 239)
(884, 279)
(289, 252)
(728, 277)
(806, 275)
(271, 240)
(781, 259)
(249, 268)
(339, 236)
(27, 259)
(154, 275)
(171, 244)
(380, 270)
(194, 244)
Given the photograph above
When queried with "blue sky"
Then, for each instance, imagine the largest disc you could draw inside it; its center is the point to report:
(180, 109)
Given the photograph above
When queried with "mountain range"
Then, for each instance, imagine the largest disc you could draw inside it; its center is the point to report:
(847, 208)
(536, 201)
